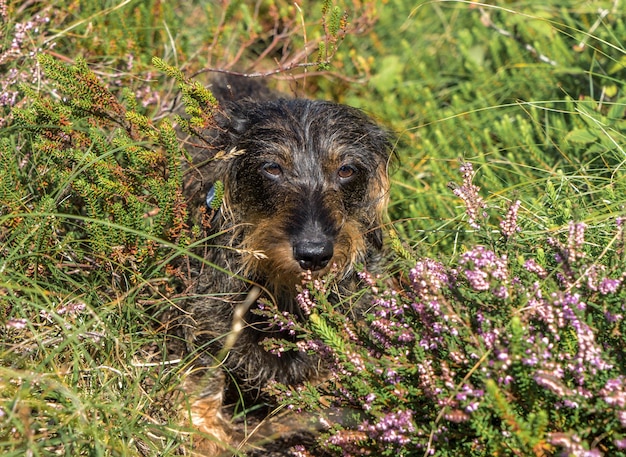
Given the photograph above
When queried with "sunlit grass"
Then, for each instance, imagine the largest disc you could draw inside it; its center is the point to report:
(531, 94)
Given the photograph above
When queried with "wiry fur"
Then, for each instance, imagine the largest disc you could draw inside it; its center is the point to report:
(305, 189)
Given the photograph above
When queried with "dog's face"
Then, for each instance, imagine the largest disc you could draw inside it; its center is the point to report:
(308, 188)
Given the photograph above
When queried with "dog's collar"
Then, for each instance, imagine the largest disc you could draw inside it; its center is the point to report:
(210, 197)
(214, 201)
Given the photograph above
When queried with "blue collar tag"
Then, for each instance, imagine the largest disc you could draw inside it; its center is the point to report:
(210, 196)
(213, 203)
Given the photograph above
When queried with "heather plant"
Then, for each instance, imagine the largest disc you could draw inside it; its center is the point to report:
(92, 215)
(131, 186)
(92, 218)
(21, 39)
(501, 331)
(504, 350)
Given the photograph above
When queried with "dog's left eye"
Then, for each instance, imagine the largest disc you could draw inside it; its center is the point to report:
(272, 170)
(346, 172)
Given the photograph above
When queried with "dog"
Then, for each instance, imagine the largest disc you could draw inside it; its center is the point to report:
(304, 186)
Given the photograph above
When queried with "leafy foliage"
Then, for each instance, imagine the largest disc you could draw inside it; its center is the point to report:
(505, 335)
(124, 194)
(502, 352)
(92, 214)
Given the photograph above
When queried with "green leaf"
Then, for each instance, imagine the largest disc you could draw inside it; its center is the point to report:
(582, 136)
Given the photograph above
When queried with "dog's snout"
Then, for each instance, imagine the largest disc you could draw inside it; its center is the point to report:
(313, 253)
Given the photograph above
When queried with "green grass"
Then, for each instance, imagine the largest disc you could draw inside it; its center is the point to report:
(530, 93)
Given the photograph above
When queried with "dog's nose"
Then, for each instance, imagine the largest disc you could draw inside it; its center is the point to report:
(313, 254)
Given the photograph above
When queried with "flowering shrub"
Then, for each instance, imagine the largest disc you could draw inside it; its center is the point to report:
(508, 350)
(512, 347)
(17, 56)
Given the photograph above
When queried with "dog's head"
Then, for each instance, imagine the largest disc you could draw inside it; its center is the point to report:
(306, 186)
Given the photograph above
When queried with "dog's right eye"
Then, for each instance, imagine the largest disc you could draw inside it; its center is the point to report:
(272, 170)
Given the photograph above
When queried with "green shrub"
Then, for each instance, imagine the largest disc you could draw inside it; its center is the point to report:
(506, 333)
(92, 215)
(512, 348)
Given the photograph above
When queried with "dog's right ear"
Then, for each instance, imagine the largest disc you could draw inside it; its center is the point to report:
(239, 96)
(228, 88)
(237, 121)
(232, 122)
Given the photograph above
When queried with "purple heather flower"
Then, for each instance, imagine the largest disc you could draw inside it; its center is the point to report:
(620, 443)
(482, 267)
(576, 240)
(571, 445)
(484, 259)
(613, 318)
(457, 416)
(406, 336)
(609, 286)
(562, 311)
(386, 305)
(71, 308)
(489, 338)
(614, 393)
(508, 226)
(347, 328)
(428, 277)
(392, 376)
(17, 324)
(501, 292)
(314, 346)
(472, 407)
(479, 280)
(305, 301)
(388, 332)
(589, 351)
(468, 192)
(369, 399)
(395, 427)
(553, 382)
(286, 323)
(356, 360)
(346, 440)
(468, 393)
(571, 404)
(428, 380)
(366, 277)
(299, 451)
(532, 266)
(614, 385)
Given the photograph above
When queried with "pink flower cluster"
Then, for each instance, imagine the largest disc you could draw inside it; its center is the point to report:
(468, 192)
